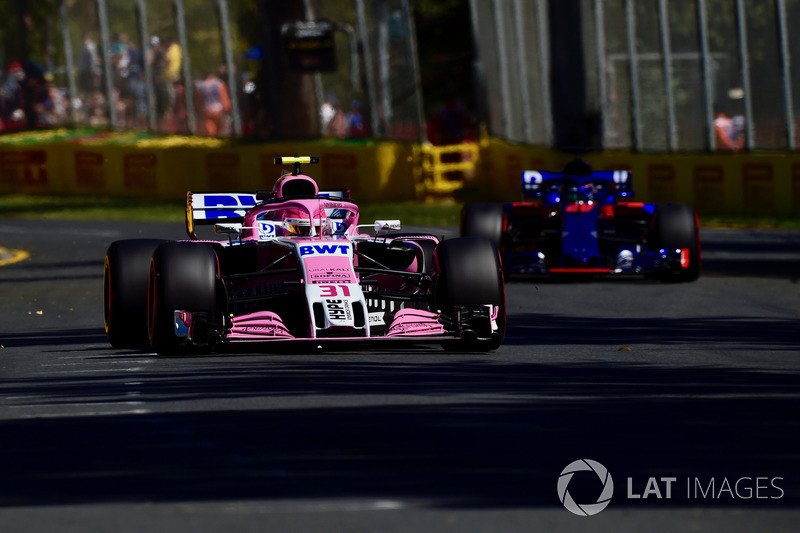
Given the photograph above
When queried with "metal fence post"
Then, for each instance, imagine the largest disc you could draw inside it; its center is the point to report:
(412, 52)
(71, 86)
(630, 23)
(102, 13)
(502, 55)
(705, 52)
(786, 71)
(141, 7)
(744, 59)
(236, 118)
(666, 54)
(180, 21)
(382, 38)
(544, 66)
(600, 43)
(369, 68)
(319, 90)
(522, 66)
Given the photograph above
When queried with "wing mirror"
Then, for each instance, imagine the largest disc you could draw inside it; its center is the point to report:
(386, 225)
(233, 228)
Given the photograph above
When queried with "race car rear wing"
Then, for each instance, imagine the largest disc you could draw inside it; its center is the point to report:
(209, 208)
(534, 181)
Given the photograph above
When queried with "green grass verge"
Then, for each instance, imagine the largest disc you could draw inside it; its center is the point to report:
(436, 214)
(90, 208)
(749, 222)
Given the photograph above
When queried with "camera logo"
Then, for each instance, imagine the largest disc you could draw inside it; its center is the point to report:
(586, 509)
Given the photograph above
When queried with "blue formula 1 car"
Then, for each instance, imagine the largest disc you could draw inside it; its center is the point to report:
(581, 221)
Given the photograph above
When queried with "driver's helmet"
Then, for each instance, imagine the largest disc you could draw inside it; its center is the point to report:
(297, 223)
(587, 191)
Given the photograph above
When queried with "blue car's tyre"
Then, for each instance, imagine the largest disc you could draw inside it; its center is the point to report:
(676, 227)
(483, 220)
(470, 274)
(183, 277)
(125, 273)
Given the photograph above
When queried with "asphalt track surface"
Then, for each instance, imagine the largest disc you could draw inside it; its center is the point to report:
(698, 382)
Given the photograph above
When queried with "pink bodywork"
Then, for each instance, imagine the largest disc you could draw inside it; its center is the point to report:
(326, 263)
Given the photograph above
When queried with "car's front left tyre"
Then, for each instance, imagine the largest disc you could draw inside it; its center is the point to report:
(125, 274)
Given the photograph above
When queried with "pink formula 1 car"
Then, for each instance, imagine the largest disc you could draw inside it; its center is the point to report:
(293, 264)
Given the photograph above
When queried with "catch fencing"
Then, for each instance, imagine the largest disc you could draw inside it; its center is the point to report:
(202, 67)
(657, 73)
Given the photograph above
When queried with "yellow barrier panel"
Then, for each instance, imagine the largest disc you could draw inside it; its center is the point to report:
(123, 165)
(445, 169)
(760, 183)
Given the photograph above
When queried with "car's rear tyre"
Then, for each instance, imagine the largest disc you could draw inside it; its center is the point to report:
(125, 273)
(483, 220)
(470, 274)
(676, 227)
(183, 276)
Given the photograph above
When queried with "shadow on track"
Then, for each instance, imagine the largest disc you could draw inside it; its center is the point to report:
(62, 337)
(729, 333)
(765, 253)
(487, 435)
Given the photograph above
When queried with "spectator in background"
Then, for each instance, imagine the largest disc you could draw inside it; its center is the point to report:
(12, 97)
(96, 110)
(137, 88)
(89, 67)
(157, 59)
(249, 106)
(213, 104)
(139, 92)
(52, 107)
(334, 120)
(222, 74)
(739, 130)
(726, 136)
(452, 123)
(120, 57)
(326, 113)
(173, 58)
(338, 126)
(179, 111)
(355, 120)
(120, 64)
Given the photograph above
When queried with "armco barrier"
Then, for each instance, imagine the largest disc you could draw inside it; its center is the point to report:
(75, 162)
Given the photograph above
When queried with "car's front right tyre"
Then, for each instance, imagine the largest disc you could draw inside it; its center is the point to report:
(470, 274)
(676, 227)
(183, 277)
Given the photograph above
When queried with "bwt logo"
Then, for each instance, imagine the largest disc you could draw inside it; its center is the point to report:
(586, 509)
(325, 249)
